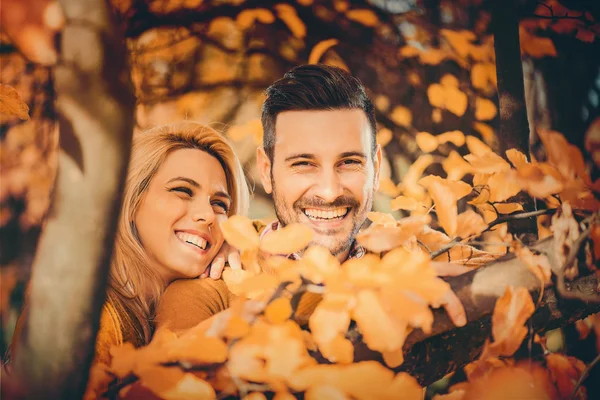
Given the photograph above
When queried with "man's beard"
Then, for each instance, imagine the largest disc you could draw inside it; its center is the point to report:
(286, 216)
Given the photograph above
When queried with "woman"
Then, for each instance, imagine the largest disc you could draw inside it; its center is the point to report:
(183, 180)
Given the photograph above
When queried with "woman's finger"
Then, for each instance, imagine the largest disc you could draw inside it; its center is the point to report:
(235, 261)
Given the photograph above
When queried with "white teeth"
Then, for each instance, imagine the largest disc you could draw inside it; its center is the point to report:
(192, 239)
(336, 213)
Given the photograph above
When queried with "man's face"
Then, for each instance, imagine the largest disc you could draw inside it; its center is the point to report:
(323, 173)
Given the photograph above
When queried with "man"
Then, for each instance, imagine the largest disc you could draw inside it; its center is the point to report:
(320, 161)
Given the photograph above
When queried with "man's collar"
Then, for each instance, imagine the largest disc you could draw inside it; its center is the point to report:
(356, 251)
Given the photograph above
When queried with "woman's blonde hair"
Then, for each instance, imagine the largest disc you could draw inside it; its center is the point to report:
(134, 287)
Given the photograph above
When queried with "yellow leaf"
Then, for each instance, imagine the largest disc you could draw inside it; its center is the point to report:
(482, 75)
(433, 56)
(382, 102)
(387, 186)
(379, 218)
(319, 392)
(455, 137)
(383, 137)
(538, 264)
(436, 95)
(502, 187)
(470, 224)
(456, 167)
(239, 232)
(401, 116)
(404, 203)
(287, 240)
(363, 16)
(511, 313)
(518, 159)
(456, 101)
(426, 142)
(449, 80)
(485, 109)
(247, 18)
(288, 15)
(408, 51)
(410, 179)
(508, 208)
(436, 115)
(476, 146)
(320, 49)
(459, 40)
(488, 163)
(279, 310)
(486, 132)
(12, 104)
(445, 206)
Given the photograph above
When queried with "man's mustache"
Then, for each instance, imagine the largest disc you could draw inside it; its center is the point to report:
(315, 202)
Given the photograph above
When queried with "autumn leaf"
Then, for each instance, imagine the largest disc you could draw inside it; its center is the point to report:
(566, 157)
(502, 187)
(535, 181)
(288, 15)
(318, 265)
(455, 137)
(412, 176)
(278, 311)
(445, 194)
(483, 75)
(380, 218)
(12, 104)
(486, 132)
(488, 163)
(476, 146)
(517, 159)
(239, 232)
(511, 312)
(459, 40)
(246, 18)
(426, 142)
(380, 238)
(363, 16)
(485, 109)
(469, 223)
(401, 116)
(319, 392)
(456, 101)
(566, 371)
(287, 240)
(320, 49)
(538, 264)
(328, 325)
(404, 203)
(456, 167)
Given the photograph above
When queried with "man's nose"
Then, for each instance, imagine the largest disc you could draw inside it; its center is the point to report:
(202, 211)
(329, 186)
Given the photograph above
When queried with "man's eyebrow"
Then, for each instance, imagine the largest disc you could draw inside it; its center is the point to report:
(353, 154)
(188, 180)
(300, 155)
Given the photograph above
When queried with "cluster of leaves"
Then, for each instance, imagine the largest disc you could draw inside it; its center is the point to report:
(271, 343)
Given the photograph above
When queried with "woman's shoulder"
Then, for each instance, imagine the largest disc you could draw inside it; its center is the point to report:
(110, 333)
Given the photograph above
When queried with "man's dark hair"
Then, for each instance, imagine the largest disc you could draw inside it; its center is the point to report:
(313, 87)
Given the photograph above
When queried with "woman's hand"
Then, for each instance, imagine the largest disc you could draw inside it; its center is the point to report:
(226, 253)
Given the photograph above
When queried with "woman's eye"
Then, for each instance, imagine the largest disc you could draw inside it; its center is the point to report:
(182, 189)
(222, 206)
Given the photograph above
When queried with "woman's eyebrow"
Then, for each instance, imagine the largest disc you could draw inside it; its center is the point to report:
(188, 180)
(223, 194)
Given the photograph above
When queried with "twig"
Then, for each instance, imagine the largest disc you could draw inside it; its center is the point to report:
(446, 247)
(584, 376)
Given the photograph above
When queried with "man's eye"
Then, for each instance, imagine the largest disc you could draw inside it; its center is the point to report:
(301, 164)
(351, 162)
(182, 189)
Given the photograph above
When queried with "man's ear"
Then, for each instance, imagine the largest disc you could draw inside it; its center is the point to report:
(377, 163)
(264, 168)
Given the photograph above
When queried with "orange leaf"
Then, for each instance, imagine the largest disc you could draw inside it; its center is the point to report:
(255, 396)
(437, 95)
(536, 182)
(508, 208)
(482, 75)
(320, 392)
(485, 109)
(279, 310)
(470, 224)
(449, 80)
(288, 15)
(518, 159)
(455, 166)
(319, 265)
(488, 163)
(511, 312)
(486, 132)
(239, 232)
(319, 49)
(393, 358)
(407, 385)
(380, 238)
(404, 203)
(12, 104)
(387, 186)
(426, 142)
(409, 180)
(236, 328)
(401, 116)
(364, 16)
(456, 101)
(339, 350)
(538, 264)
(566, 371)
(246, 18)
(384, 136)
(409, 51)
(379, 218)
(455, 137)
(459, 40)
(502, 187)
(293, 237)
(380, 332)
(476, 146)
(566, 157)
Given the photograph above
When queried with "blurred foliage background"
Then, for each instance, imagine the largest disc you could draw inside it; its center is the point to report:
(429, 66)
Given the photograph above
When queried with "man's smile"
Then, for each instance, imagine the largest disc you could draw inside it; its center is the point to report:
(334, 214)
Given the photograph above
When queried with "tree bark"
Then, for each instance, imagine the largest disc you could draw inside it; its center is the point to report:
(514, 126)
(430, 357)
(95, 104)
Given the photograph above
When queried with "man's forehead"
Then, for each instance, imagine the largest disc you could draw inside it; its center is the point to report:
(323, 130)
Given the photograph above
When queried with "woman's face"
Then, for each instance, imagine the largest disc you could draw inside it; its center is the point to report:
(178, 218)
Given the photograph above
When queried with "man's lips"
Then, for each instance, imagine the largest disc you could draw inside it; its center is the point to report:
(327, 218)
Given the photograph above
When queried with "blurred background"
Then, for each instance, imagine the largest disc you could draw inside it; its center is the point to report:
(428, 65)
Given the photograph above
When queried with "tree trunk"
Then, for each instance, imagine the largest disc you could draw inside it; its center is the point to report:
(514, 127)
(430, 357)
(95, 105)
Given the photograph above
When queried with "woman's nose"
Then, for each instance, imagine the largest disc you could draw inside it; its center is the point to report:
(203, 211)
